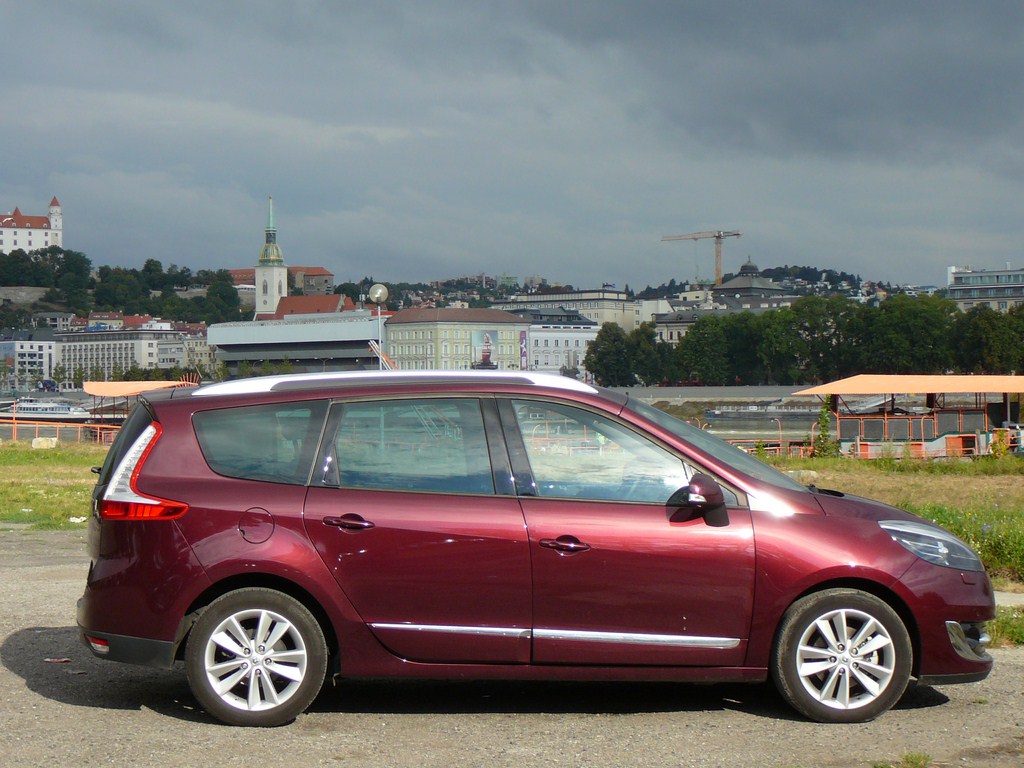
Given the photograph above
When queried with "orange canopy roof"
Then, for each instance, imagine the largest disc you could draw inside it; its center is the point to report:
(879, 384)
(128, 388)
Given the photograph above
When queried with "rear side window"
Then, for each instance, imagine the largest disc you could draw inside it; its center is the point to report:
(272, 443)
(435, 445)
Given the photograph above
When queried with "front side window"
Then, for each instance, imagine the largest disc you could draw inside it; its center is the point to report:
(272, 443)
(716, 447)
(428, 445)
(575, 453)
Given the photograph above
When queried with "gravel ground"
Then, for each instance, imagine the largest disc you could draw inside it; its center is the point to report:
(63, 707)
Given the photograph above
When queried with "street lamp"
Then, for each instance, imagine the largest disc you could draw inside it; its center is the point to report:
(378, 295)
(780, 434)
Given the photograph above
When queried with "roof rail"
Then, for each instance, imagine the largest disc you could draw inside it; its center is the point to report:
(304, 380)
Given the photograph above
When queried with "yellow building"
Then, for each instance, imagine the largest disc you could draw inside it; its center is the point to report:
(457, 339)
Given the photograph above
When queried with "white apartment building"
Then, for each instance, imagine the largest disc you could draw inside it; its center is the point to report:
(1000, 289)
(96, 355)
(25, 363)
(187, 352)
(558, 339)
(644, 310)
(31, 233)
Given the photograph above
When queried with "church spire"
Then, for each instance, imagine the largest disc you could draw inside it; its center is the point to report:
(271, 252)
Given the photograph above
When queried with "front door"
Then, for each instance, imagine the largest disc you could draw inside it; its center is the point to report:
(619, 577)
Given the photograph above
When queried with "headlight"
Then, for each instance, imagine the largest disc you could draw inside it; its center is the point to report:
(933, 544)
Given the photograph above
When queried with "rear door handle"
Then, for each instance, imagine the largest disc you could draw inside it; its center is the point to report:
(349, 522)
(568, 544)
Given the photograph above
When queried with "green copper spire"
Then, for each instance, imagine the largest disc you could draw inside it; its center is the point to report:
(271, 252)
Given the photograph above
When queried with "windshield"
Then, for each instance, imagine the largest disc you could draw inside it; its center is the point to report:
(727, 454)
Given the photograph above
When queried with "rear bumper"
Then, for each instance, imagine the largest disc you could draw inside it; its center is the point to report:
(129, 650)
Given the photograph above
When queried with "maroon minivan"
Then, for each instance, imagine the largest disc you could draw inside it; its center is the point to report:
(270, 532)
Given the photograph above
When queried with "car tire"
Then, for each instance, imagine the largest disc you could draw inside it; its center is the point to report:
(824, 676)
(256, 657)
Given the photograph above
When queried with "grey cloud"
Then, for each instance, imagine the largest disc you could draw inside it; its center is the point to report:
(424, 140)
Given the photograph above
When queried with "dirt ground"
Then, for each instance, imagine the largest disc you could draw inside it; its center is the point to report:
(63, 707)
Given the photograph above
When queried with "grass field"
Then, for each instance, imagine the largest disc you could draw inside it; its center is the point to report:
(47, 488)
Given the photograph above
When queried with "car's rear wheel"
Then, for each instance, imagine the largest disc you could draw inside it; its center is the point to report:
(841, 656)
(256, 657)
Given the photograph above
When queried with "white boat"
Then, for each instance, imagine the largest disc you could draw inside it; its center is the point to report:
(34, 409)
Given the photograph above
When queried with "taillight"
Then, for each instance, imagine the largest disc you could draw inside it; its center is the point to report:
(98, 645)
(122, 501)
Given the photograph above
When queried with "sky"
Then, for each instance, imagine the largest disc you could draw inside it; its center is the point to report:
(413, 141)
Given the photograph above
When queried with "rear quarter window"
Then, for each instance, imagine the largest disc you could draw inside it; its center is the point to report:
(270, 443)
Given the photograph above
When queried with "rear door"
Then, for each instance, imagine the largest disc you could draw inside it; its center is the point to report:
(619, 577)
(412, 509)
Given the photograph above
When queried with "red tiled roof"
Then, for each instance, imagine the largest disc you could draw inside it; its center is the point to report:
(248, 276)
(309, 305)
(243, 276)
(18, 220)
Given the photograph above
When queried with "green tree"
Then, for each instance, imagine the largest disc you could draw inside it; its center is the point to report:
(222, 302)
(823, 331)
(17, 268)
(907, 334)
(71, 263)
(121, 290)
(743, 333)
(60, 375)
(702, 354)
(781, 349)
(608, 357)
(648, 356)
(988, 341)
(152, 275)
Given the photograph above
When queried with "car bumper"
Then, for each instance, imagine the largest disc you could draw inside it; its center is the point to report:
(952, 609)
(129, 650)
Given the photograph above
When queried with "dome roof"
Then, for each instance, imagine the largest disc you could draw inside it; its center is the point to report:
(750, 268)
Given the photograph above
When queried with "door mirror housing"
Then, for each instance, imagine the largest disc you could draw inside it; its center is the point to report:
(704, 495)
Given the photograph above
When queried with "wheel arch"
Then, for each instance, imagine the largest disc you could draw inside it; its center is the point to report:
(883, 593)
(260, 580)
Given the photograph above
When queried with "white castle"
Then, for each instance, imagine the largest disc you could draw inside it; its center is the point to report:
(30, 233)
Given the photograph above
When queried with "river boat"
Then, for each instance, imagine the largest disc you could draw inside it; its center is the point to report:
(37, 409)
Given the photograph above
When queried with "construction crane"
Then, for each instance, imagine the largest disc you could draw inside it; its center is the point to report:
(719, 236)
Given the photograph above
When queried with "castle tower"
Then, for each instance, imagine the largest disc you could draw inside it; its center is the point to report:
(56, 223)
(271, 271)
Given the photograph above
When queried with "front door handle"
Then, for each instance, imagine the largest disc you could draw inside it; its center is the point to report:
(567, 544)
(349, 522)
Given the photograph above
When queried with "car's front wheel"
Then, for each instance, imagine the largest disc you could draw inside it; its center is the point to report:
(256, 657)
(841, 656)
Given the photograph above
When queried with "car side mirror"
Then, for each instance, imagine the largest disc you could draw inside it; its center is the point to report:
(705, 496)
